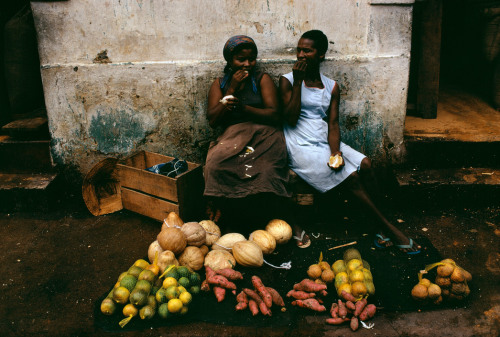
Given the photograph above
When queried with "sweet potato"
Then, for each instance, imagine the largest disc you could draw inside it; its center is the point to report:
(310, 303)
(254, 308)
(277, 299)
(262, 291)
(221, 281)
(350, 306)
(299, 294)
(220, 293)
(360, 305)
(334, 310)
(209, 272)
(242, 301)
(354, 324)
(347, 296)
(205, 286)
(342, 309)
(336, 320)
(260, 303)
(230, 274)
(368, 312)
(323, 293)
(308, 285)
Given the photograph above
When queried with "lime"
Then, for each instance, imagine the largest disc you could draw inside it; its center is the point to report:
(183, 271)
(128, 281)
(138, 297)
(185, 298)
(122, 275)
(169, 282)
(163, 311)
(160, 296)
(181, 289)
(141, 263)
(194, 279)
(154, 289)
(174, 305)
(172, 292)
(184, 281)
(173, 273)
(121, 295)
(134, 271)
(147, 275)
(146, 312)
(108, 307)
(129, 310)
(152, 301)
(183, 311)
(194, 290)
(143, 285)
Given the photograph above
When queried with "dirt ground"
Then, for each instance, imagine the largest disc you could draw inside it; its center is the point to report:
(58, 263)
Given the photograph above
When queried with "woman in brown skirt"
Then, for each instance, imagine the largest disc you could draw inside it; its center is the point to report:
(246, 172)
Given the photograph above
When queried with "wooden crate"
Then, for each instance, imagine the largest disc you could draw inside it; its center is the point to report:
(155, 195)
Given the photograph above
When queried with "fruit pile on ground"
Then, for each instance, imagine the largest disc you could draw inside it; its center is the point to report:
(352, 275)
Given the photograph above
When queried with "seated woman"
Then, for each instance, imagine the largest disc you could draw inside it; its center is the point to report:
(311, 109)
(246, 170)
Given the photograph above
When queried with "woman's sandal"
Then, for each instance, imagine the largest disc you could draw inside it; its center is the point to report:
(408, 246)
(382, 238)
(300, 241)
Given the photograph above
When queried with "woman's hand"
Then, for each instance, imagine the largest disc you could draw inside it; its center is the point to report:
(236, 81)
(299, 72)
(232, 103)
(336, 161)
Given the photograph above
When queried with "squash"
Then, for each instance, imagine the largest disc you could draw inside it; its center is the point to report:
(192, 257)
(153, 248)
(204, 249)
(165, 259)
(172, 220)
(227, 241)
(195, 234)
(264, 239)
(172, 239)
(248, 254)
(212, 231)
(219, 259)
(281, 231)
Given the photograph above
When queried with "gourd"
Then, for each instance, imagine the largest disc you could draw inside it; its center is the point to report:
(219, 259)
(165, 259)
(248, 254)
(204, 249)
(172, 220)
(192, 257)
(195, 234)
(264, 239)
(172, 239)
(227, 241)
(281, 230)
(212, 231)
(153, 248)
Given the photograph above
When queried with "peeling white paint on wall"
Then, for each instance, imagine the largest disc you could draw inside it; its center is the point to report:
(163, 56)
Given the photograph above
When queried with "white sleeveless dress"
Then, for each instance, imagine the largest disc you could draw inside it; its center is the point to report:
(307, 142)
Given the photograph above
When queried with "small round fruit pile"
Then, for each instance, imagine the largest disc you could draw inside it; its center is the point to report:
(353, 275)
(426, 291)
(177, 290)
(321, 272)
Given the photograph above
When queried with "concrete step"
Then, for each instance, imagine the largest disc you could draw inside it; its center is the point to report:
(34, 128)
(431, 152)
(463, 186)
(25, 191)
(23, 156)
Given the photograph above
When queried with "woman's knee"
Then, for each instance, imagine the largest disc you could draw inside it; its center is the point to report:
(366, 164)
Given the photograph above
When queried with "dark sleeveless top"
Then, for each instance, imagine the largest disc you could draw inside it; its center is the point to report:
(247, 96)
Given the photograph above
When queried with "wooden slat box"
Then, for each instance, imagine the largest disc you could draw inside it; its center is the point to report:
(155, 195)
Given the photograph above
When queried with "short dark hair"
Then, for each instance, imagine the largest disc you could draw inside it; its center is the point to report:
(319, 38)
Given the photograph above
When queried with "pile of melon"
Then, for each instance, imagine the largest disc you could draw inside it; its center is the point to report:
(353, 275)
(198, 244)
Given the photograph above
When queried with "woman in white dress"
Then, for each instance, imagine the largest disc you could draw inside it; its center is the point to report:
(311, 110)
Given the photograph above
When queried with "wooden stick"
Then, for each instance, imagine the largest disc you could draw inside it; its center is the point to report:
(347, 244)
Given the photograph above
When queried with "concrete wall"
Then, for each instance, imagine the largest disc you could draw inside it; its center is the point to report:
(150, 91)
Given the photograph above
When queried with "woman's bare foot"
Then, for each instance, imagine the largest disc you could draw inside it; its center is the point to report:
(409, 246)
(382, 241)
